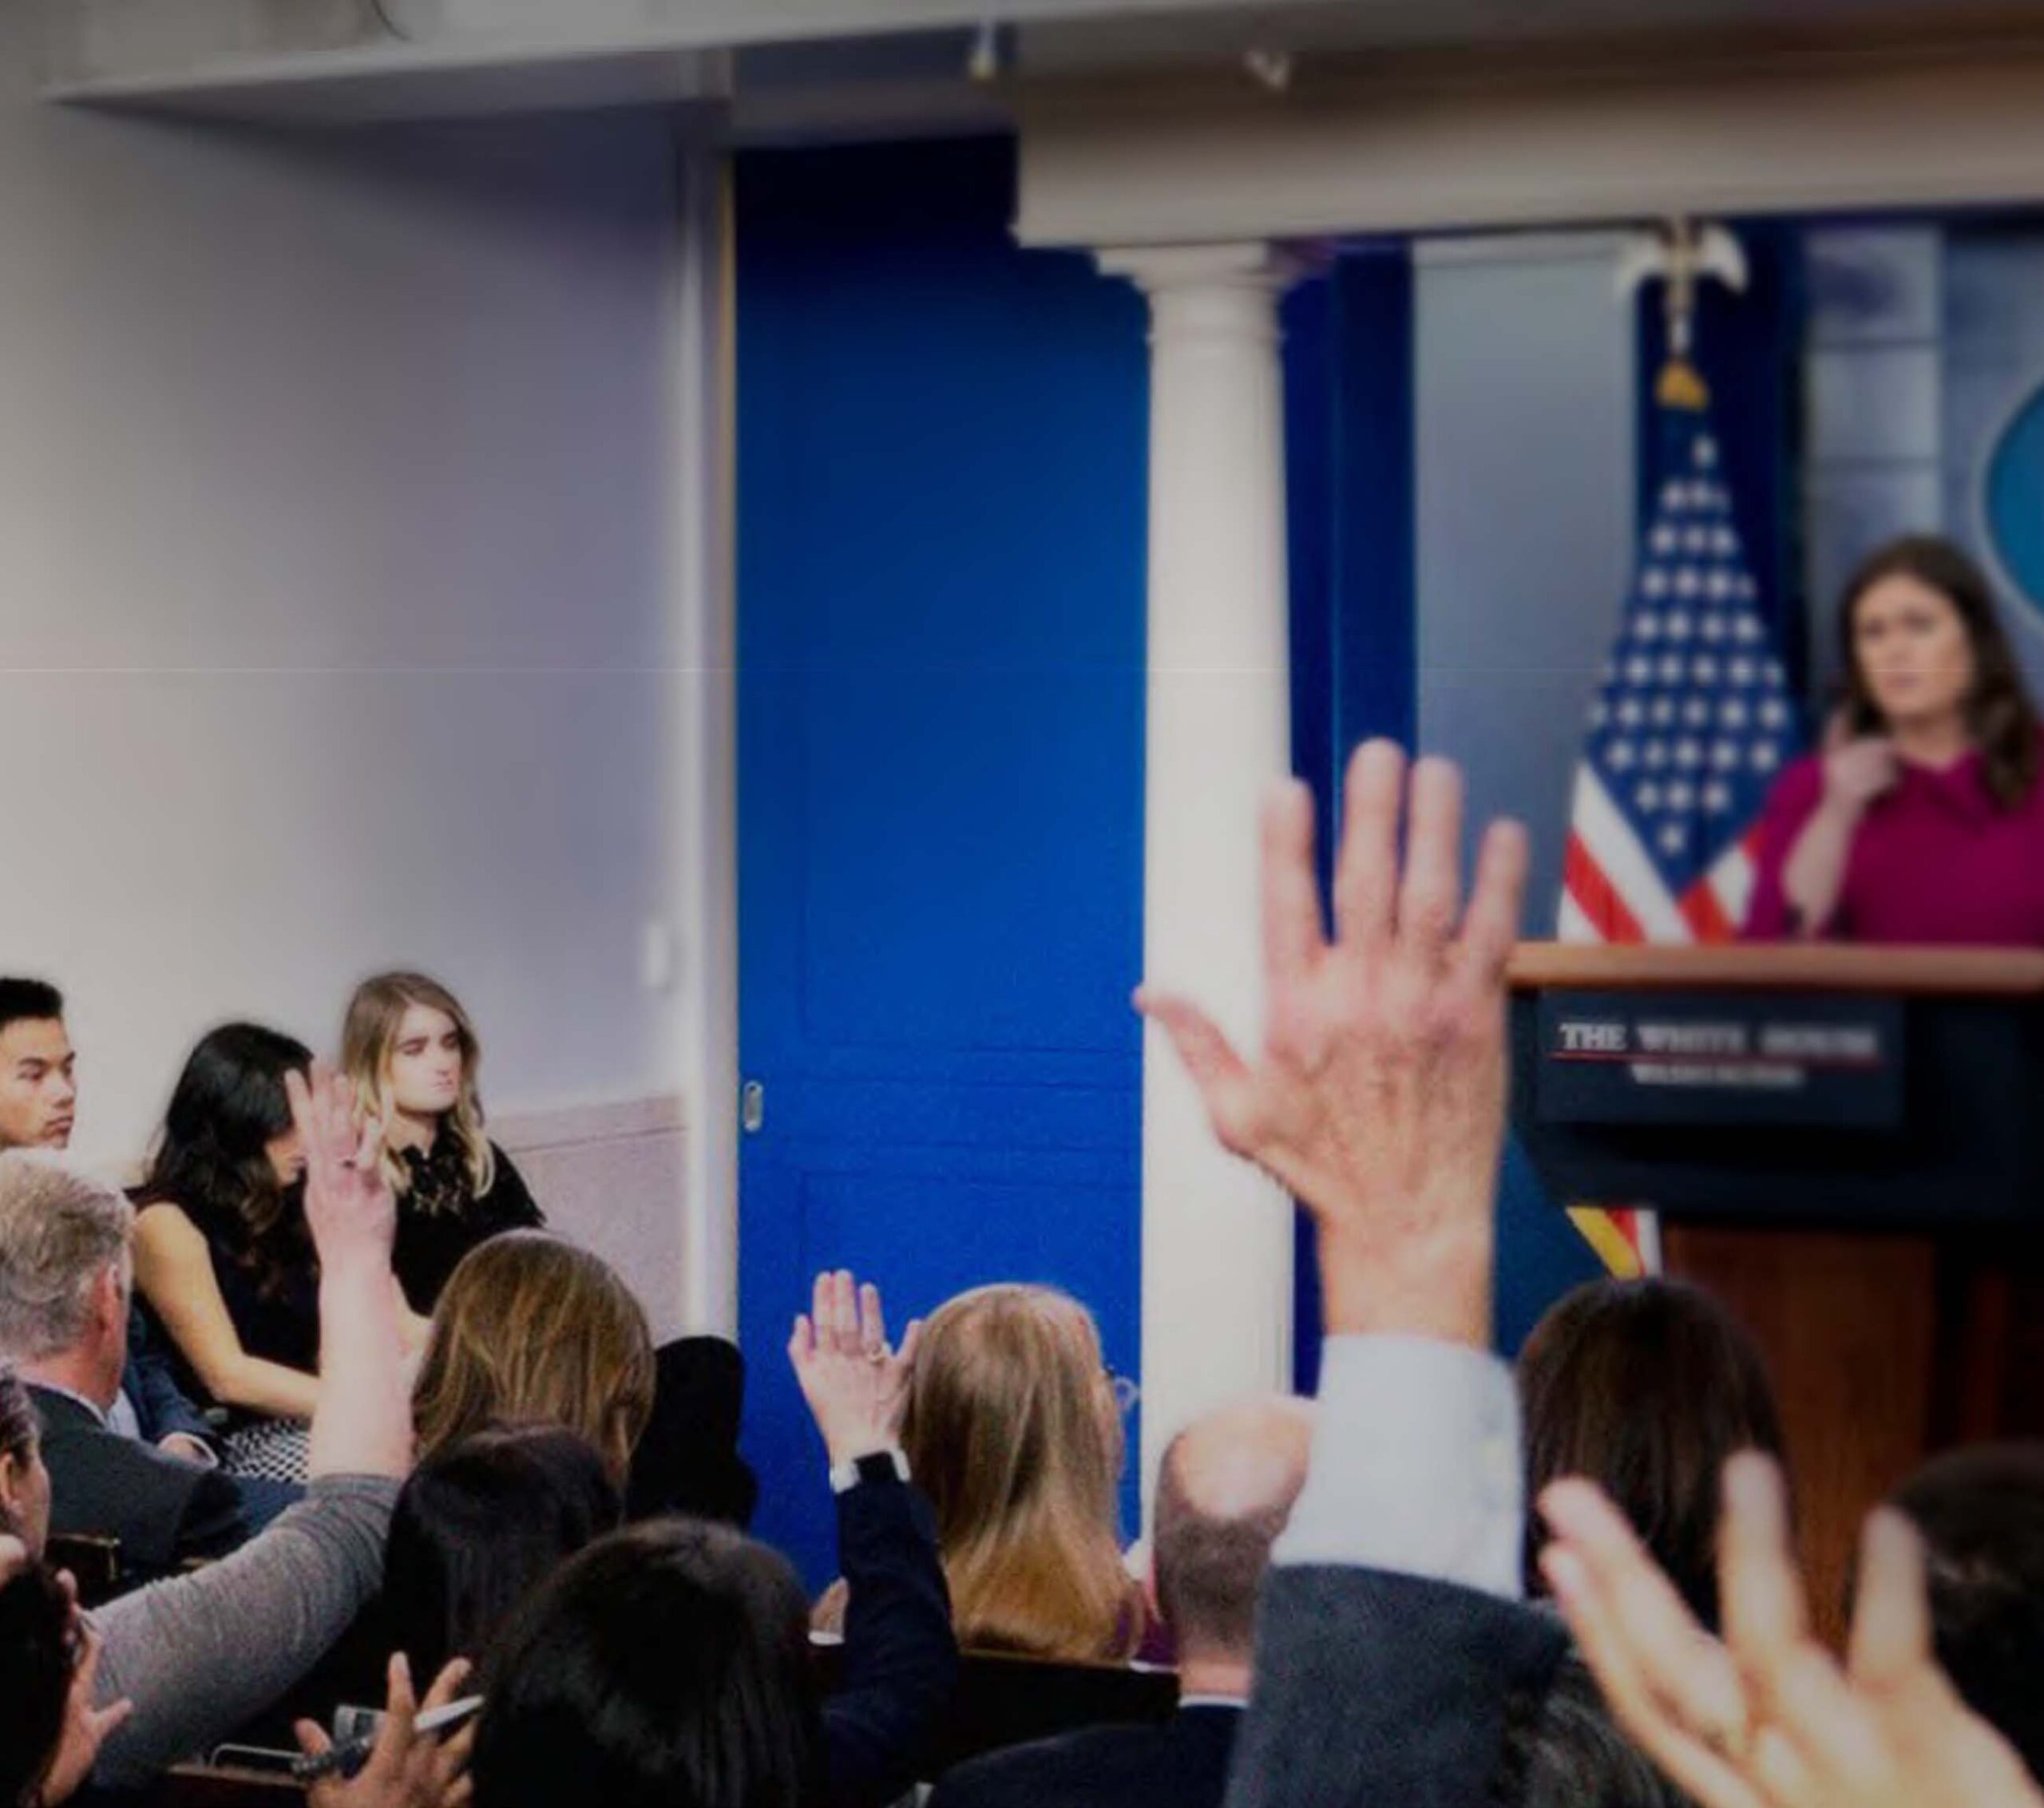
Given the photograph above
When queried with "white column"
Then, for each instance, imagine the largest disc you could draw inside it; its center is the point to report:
(1217, 1236)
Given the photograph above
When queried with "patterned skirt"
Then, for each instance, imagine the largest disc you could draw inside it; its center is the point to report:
(274, 1449)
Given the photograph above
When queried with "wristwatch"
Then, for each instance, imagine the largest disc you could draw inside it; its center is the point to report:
(889, 1464)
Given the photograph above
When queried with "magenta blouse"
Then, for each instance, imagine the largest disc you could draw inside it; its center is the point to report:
(1935, 860)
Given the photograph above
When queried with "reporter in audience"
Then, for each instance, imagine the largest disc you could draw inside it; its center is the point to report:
(479, 1524)
(1391, 1635)
(1980, 1514)
(669, 1662)
(1646, 1386)
(196, 1655)
(222, 1254)
(533, 1331)
(1225, 1488)
(412, 1053)
(38, 1106)
(64, 1283)
(1012, 1429)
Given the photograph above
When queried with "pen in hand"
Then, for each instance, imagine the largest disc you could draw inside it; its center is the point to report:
(347, 1758)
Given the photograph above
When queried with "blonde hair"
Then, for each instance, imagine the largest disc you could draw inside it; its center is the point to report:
(1011, 1430)
(369, 1039)
(531, 1330)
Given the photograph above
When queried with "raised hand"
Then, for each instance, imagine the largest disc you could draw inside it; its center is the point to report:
(1768, 1719)
(405, 1770)
(1379, 1099)
(854, 1383)
(86, 1728)
(348, 1204)
(1856, 771)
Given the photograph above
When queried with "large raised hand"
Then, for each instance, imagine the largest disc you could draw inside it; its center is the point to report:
(348, 1204)
(1379, 1097)
(1768, 1719)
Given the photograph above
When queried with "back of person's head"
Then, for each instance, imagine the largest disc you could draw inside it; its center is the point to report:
(666, 1667)
(24, 1483)
(36, 1659)
(217, 1156)
(1646, 1387)
(530, 1330)
(478, 1524)
(1225, 1489)
(1012, 1430)
(61, 1232)
(1981, 1513)
(29, 1001)
(1562, 1750)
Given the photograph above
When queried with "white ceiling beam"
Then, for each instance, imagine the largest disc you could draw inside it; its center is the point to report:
(1446, 143)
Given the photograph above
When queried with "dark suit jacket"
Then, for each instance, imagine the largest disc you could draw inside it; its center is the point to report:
(1183, 1763)
(1380, 1691)
(103, 1485)
(900, 1661)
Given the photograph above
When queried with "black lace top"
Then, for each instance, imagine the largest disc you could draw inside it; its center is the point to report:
(440, 1219)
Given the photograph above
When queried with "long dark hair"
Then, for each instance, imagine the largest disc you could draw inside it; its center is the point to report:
(480, 1523)
(213, 1161)
(35, 1660)
(2000, 715)
(1646, 1387)
(668, 1664)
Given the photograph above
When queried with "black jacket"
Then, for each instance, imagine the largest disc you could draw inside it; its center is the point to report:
(1183, 1763)
(164, 1511)
(900, 1661)
(1380, 1691)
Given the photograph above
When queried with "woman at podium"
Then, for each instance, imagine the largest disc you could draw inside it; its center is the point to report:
(1923, 820)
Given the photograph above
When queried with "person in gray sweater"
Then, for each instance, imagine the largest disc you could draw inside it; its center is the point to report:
(164, 1672)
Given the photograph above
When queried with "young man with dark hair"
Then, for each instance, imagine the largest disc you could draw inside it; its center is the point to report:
(1224, 1489)
(38, 1085)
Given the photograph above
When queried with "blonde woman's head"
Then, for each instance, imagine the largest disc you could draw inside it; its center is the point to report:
(531, 1330)
(1012, 1428)
(410, 1049)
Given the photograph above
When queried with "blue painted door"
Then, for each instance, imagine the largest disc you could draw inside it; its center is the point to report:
(941, 505)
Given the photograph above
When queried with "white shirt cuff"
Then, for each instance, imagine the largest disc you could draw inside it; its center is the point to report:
(1415, 1465)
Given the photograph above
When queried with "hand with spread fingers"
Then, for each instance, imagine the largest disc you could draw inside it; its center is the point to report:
(406, 1769)
(1768, 1718)
(854, 1381)
(1379, 1099)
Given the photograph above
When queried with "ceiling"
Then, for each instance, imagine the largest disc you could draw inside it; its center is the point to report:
(750, 69)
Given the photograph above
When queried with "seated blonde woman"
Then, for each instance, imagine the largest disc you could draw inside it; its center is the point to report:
(533, 1331)
(1012, 1429)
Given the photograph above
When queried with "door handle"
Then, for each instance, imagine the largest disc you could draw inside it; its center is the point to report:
(752, 1107)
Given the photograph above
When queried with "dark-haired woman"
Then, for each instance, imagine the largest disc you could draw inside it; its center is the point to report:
(223, 1258)
(1647, 1387)
(1923, 820)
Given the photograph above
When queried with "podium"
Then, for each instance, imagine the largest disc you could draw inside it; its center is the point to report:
(1846, 1145)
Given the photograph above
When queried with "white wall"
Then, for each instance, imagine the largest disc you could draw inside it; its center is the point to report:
(338, 545)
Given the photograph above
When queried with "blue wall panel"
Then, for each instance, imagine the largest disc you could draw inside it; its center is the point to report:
(942, 503)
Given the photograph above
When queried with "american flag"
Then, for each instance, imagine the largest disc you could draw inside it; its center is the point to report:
(1689, 728)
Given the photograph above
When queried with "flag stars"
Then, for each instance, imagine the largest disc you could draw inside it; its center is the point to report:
(1689, 582)
(1631, 713)
(1664, 540)
(1733, 714)
(1689, 754)
(1774, 714)
(1681, 624)
(1639, 670)
(1671, 668)
(1622, 756)
(1672, 837)
(1655, 755)
(1706, 453)
(1716, 798)
(1654, 582)
(1662, 713)
(1647, 626)
(1646, 797)
(1704, 668)
(1681, 795)
(1743, 670)
(1725, 755)
(1766, 757)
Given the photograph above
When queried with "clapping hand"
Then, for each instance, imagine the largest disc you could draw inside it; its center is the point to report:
(405, 1768)
(1379, 1099)
(348, 1203)
(1768, 1719)
(854, 1383)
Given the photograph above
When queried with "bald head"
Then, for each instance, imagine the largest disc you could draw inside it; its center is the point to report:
(1224, 1491)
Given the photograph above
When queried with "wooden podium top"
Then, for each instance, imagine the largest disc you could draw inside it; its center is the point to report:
(1830, 966)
